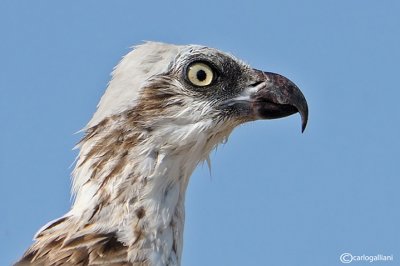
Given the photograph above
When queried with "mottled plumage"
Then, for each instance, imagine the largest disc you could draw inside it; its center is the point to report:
(165, 109)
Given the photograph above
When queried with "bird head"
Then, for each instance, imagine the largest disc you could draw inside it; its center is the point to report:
(182, 92)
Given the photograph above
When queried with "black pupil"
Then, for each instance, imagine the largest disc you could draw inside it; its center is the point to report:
(201, 75)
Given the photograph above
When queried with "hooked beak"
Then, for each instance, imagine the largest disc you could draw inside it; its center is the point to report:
(273, 96)
(278, 97)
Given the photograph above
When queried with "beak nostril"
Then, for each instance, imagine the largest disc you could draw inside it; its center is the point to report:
(255, 84)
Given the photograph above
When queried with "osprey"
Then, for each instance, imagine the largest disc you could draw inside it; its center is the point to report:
(165, 108)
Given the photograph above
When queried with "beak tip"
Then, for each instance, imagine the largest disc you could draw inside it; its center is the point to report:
(303, 127)
(302, 108)
(304, 120)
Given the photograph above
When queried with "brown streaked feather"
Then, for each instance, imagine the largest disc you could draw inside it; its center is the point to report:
(51, 226)
(89, 249)
(116, 170)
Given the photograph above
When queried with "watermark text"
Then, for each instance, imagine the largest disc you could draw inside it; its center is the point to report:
(348, 258)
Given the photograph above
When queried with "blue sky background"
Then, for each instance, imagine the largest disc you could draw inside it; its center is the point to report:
(275, 196)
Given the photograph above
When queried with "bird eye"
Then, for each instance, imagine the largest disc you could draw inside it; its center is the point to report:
(200, 74)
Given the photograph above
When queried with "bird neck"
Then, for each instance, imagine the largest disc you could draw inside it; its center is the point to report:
(133, 183)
